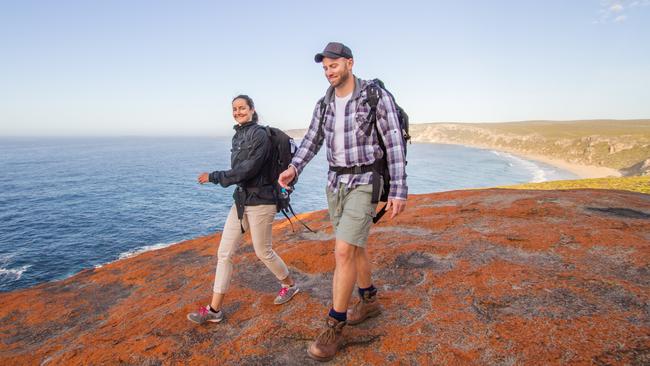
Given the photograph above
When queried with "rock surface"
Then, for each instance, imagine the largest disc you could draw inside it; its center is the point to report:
(485, 277)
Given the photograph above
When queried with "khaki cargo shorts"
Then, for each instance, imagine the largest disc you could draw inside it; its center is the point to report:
(351, 213)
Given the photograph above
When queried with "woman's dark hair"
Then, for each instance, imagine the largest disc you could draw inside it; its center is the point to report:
(250, 103)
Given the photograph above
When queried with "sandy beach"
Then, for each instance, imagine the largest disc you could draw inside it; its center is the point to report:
(582, 171)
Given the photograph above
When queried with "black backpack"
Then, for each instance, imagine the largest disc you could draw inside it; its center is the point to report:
(282, 150)
(374, 92)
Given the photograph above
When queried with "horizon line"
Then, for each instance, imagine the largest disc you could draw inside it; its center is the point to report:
(212, 134)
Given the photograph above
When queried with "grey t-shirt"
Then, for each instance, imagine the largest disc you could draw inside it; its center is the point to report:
(338, 150)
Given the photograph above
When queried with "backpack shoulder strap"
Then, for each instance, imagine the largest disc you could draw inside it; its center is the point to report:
(373, 94)
(323, 109)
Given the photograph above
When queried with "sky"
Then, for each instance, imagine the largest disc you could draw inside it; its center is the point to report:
(105, 68)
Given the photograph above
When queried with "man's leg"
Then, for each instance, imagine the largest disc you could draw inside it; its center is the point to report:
(364, 276)
(367, 306)
(327, 344)
(345, 274)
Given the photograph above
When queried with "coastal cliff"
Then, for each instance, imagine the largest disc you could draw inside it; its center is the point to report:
(484, 277)
(621, 145)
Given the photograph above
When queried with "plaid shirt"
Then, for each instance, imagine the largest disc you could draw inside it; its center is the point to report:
(361, 143)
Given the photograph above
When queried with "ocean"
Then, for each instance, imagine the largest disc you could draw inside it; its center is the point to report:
(67, 204)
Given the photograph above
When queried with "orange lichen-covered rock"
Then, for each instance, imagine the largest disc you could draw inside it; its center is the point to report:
(485, 277)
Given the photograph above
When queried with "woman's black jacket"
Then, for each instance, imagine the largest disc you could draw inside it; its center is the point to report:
(251, 148)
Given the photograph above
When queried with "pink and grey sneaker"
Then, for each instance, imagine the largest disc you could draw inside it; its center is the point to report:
(285, 294)
(205, 315)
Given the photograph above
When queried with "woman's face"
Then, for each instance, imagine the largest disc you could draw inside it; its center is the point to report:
(241, 111)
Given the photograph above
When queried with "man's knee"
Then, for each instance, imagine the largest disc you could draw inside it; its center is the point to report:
(360, 253)
(344, 252)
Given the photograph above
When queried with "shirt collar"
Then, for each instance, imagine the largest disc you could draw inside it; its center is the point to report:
(359, 85)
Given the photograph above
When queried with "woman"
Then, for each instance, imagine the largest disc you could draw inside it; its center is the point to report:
(254, 209)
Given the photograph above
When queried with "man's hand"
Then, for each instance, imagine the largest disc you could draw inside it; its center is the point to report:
(204, 178)
(397, 205)
(287, 176)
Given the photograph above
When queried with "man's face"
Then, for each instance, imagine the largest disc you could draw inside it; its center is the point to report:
(337, 70)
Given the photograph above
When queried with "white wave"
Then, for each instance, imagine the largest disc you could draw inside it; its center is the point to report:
(146, 248)
(137, 251)
(13, 274)
(537, 172)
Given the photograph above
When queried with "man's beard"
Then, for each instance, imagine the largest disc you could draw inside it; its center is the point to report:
(342, 79)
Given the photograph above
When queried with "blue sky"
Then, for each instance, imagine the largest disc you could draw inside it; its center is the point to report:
(172, 68)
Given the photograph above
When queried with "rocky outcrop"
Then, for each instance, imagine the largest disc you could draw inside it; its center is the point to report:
(640, 169)
(484, 277)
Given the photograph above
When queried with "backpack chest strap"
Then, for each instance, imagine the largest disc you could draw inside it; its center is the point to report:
(377, 169)
(357, 169)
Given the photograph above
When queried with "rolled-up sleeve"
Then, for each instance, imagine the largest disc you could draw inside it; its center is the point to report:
(310, 144)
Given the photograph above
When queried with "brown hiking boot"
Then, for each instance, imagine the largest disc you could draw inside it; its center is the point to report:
(366, 307)
(327, 343)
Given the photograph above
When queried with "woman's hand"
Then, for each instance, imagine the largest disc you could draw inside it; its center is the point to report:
(204, 178)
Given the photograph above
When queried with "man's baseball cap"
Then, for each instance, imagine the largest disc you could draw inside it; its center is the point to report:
(334, 50)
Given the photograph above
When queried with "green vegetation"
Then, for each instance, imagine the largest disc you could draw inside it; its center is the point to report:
(634, 184)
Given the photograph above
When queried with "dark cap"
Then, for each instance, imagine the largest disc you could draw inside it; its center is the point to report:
(334, 50)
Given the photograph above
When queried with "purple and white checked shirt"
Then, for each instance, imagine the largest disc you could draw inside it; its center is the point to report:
(361, 143)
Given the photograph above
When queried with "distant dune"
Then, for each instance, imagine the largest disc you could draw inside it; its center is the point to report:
(589, 148)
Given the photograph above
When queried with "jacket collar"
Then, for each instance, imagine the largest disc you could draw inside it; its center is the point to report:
(359, 85)
(238, 127)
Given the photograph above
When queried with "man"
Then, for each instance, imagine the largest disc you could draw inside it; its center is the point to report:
(352, 149)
